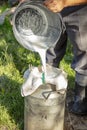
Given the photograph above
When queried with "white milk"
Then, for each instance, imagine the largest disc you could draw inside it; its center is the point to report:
(42, 53)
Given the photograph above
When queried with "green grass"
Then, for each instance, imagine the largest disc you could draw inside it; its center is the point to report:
(14, 60)
(66, 65)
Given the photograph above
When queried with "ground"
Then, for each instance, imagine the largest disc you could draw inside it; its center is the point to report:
(73, 122)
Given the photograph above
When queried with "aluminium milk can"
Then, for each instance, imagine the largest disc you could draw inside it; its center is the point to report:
(44, 109)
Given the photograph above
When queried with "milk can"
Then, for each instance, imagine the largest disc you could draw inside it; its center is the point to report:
(44, 109)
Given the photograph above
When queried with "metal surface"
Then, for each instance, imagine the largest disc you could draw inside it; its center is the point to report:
(35, 26)
(44, 112)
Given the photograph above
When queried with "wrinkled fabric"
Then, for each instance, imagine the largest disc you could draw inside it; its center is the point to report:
(34, 80)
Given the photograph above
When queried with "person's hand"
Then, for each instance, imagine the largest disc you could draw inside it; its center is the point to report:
(22, 1)
(54, 5)
(58, 5)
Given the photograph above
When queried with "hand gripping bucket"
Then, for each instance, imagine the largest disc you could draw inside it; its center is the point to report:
(36, 26)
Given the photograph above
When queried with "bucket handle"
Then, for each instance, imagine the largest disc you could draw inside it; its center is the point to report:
(48, 93)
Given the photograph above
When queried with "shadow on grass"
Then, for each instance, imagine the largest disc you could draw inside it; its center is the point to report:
(10, 97)
(71, 82)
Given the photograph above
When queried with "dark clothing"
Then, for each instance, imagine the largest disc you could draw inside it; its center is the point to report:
(75, 20)
(13, 2)
(72, 9)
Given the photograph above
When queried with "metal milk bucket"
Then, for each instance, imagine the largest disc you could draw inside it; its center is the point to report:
(35, 26)
(44, 109)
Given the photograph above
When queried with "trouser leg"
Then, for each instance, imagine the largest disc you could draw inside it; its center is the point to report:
(76, 27)
(56, 53)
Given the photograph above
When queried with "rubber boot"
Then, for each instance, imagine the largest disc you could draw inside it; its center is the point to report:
(79, 105)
